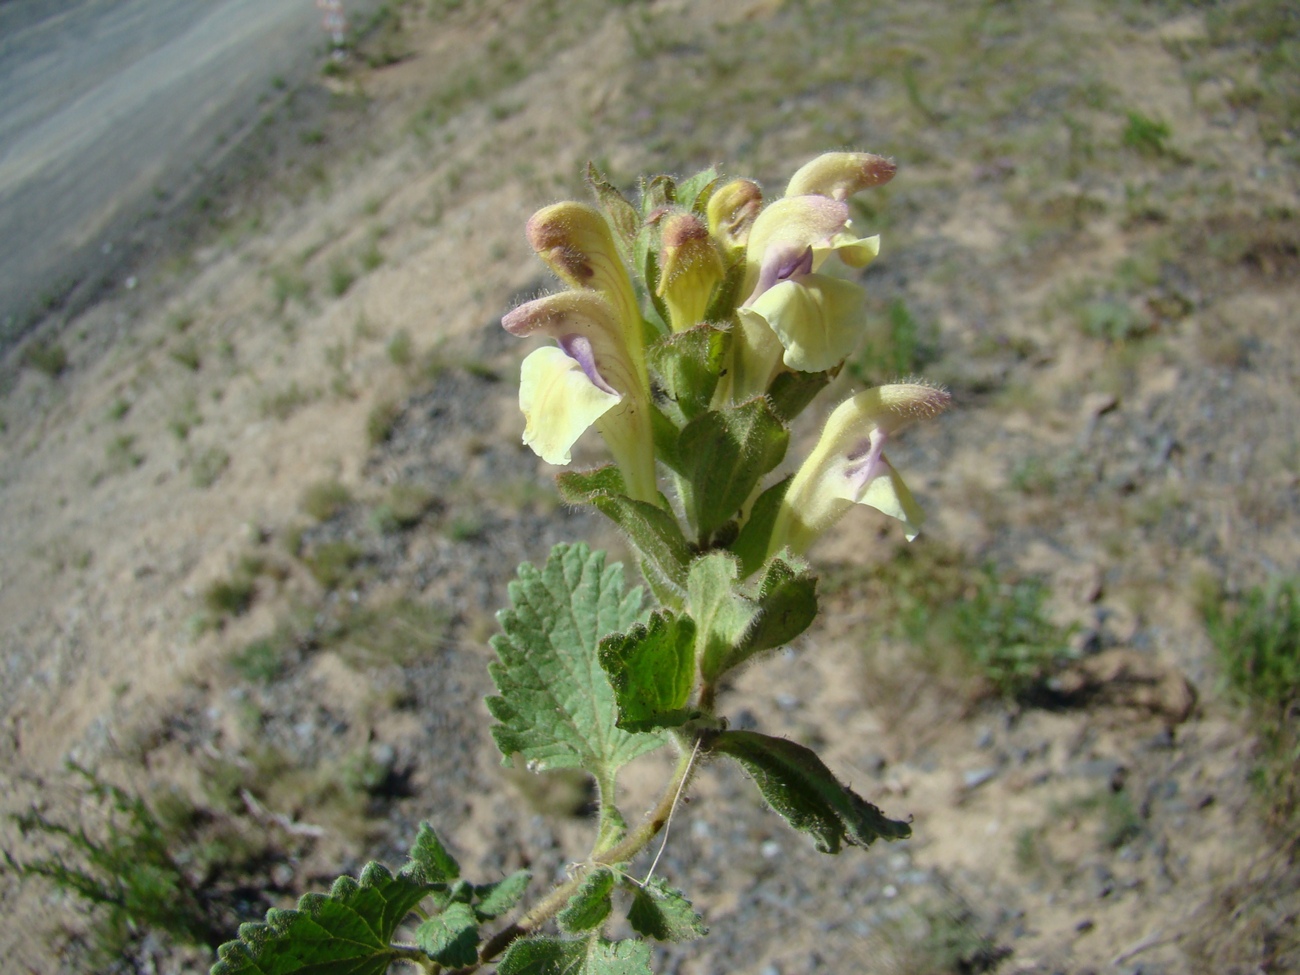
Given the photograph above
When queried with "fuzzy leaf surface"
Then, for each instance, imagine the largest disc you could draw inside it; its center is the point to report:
(589, 905)
(653, 531)
(348, 931)
(496, 899)
(451, 937)
(752, 543)
(551, 956)
(663, 913)
(722, 615)
(724, 453)
(556, 707)
(799, 786)
(688, 363)
(652, 671)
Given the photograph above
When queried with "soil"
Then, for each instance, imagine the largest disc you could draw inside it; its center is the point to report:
(337, 322)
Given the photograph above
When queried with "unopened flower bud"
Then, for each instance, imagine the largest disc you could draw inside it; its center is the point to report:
(732, 211)
(689, 267)
(841, 174)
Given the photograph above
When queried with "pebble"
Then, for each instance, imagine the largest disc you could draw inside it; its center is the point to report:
(975, 778)
(770, 849)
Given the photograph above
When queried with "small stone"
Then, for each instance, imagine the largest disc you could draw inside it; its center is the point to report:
(770, 849)
(1086, 925)
(984, 739)
(974, 778)
(786, 702)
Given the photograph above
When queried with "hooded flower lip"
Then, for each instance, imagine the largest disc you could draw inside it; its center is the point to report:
(840, 175)
(848, 465)
(590, 379)
(816, 319)
(576, 243)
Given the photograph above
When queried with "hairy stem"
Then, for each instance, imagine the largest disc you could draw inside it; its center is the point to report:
(629, 847)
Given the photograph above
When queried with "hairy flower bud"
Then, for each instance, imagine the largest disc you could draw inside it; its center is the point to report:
(732, 210)
(689, 267)
(841, 174)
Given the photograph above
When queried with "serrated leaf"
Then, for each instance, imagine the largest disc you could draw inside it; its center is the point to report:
(556, 707)
(652, 671)
(654, 531)
(798, 785)
(551, 956)
(687, 364)
(787, 605)
(590, 904)
(431, 859)
(721, 615)
(347, 932)
(493, 900)
(756, 534)
(663, 913)
(723, 454)
(451, 937)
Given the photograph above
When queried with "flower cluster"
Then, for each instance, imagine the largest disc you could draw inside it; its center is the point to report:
(693, 328)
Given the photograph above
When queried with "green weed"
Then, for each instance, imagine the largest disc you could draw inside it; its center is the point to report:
(285, 403)
(1145, 135)
(186, 353)
(125, 867)
(121, 454)
(405, 506)
(325, 499)
(46, 357)
(381, 420)
(1257, 636)
(341, 277)
(207, 466)
(400, 350)
(1000, 628)
(332, 563)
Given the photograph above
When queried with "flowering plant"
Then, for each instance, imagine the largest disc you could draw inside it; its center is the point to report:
(692, 329)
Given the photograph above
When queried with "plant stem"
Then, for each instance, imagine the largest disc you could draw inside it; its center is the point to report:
(625, 850)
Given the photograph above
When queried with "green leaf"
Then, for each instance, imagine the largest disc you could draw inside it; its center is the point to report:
(431, 859)
(694, 191)
(722, 616)
(346, 932)
(496, 899)
(450, 938)
(653, 530)
(734, 625)
(787, 605)
(621, 215)
(556, 707)
(791, 392)
(752, 542)
(799, 786)
(590, 903)
(687, 364)
(724, 453)
(663, 913)
(652, 671)
(551, 956)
